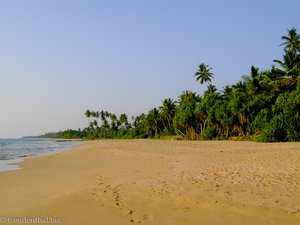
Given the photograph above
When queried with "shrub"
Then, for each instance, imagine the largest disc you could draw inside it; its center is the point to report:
(210, 133)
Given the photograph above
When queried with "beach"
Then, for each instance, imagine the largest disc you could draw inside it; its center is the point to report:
(157, 182)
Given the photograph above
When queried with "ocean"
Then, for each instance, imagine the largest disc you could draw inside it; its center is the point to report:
(15, 150)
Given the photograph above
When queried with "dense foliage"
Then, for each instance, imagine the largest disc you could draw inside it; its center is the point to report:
(264, 105)
(67, 134)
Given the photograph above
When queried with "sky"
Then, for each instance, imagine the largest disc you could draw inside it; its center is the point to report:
(61, 57)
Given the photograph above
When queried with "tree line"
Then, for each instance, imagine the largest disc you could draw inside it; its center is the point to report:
(264, 105)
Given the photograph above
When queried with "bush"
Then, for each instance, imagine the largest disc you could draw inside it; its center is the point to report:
(210, 133)
(282, 128)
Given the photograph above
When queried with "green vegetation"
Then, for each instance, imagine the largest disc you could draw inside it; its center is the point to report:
(264, 105)
(67, 134)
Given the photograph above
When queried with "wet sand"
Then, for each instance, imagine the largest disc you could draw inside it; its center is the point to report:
(158, 182)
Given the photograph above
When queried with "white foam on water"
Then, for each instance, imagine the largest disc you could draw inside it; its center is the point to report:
(8, 165)
(15, 151)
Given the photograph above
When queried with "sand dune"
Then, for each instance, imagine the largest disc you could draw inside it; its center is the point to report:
(160, 183)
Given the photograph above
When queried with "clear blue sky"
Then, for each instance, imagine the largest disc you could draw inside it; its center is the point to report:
(60, 57)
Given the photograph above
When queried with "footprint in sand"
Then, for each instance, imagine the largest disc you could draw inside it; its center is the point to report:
(117, 196)
(96, 197)
(295, 212)
(134, 221)
(96, 192)
(147, 217)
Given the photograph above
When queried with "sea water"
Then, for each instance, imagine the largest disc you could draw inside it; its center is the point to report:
(15, 150)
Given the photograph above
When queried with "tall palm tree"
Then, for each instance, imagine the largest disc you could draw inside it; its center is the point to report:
(103, 116)
(168, 111)
(153, 121)
(97, 115)
(292, 41)
(124, 120)
(204, 74)
(255, 76)
(290, 64)
(114, 121)
(270, 79)
(291, 59)
(88, 114)
(93, 114)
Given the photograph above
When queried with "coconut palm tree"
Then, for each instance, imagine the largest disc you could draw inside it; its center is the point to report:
(211, 89)
(88, 114)
(292, 41)
(188, 96)
(255, 76)
(204, 74)
(124, 121)
(114, 122)
(226, 92)
(168, 111)
(291, 59)
(290, 64)
(103, 116)
(152, 121)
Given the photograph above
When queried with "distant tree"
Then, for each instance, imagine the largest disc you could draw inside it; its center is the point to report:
(140, 129)
(211, 89)
(124, 121)
(88, 114)
(292, 41)
(185, 120)
(104, 116)
(226, 92)
(168, 110)
(290, 64)
(114, 122)
(152, 120)
(255, 76)
(204, 74)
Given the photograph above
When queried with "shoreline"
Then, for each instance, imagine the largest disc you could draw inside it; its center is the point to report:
(13, 164)
(10, 164)
(158, 182)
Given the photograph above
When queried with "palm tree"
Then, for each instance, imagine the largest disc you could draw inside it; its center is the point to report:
(291, 59)
(124, 120)
(211, 89)
(185, 118)
(204, 74)
(152, 121)
(87, 113)
(292, 41)
(114, 121)
(226, 92)
(103, 116)
(239, 86)
(97, 115)
(188, 96)
(290, 64)
(168, 111)
(255, 76)
(140, 125)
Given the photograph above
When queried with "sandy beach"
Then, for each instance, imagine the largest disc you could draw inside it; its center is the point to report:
(119, 182)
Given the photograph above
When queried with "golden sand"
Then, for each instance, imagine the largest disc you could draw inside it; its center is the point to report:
(158, 182)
